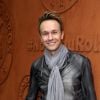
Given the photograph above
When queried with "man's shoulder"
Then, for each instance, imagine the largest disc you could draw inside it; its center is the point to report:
(79, 55)
(38, 61)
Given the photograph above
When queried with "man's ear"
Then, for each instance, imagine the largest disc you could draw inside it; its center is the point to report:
(41, 39)
(62, 35)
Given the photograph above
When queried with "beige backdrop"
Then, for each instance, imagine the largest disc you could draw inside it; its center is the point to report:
(20, 44)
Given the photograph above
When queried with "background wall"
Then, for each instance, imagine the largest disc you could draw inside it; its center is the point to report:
(20, 44)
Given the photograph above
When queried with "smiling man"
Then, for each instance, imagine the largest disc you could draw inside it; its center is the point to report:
(59, 74)
(51, 35)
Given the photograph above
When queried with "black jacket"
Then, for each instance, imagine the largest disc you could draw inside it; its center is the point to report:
(76, 76)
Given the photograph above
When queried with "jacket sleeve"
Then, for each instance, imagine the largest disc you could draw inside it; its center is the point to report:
(33, 87)
(87, 81)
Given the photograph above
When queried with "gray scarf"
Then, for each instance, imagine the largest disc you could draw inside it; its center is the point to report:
(55, 62)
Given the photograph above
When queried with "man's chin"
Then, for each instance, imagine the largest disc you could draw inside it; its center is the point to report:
(52, 49)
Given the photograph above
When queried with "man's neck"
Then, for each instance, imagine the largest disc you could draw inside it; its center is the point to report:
(54, 52)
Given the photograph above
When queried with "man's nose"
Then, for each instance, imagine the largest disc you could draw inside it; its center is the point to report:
(50, 37)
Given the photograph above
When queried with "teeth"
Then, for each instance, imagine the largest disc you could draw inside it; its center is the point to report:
(50, 43)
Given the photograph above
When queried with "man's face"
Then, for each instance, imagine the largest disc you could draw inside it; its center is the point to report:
(51, 34)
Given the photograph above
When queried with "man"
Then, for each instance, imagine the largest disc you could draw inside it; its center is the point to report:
(59, 74)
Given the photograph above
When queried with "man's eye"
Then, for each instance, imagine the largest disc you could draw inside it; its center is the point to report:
(45, 33)
(54, 32)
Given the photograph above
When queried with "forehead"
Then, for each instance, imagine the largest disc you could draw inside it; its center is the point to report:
(49, 25)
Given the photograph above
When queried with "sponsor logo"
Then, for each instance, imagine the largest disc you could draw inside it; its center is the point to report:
(58, 6)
